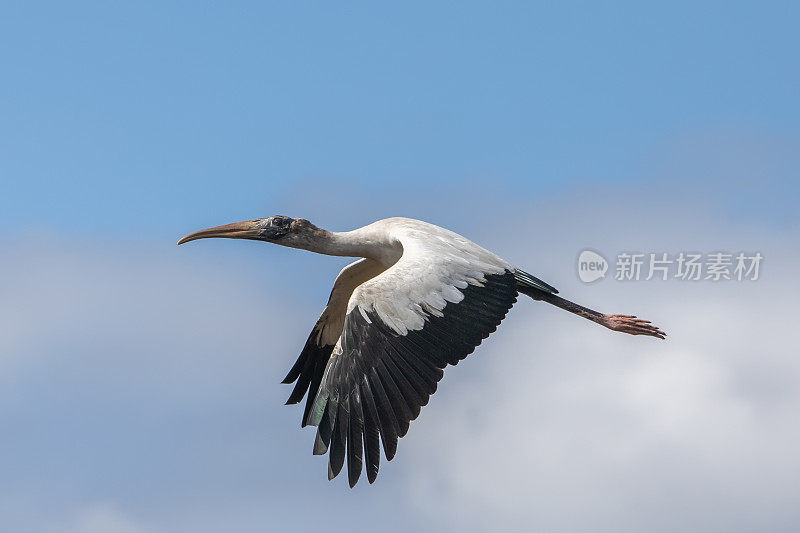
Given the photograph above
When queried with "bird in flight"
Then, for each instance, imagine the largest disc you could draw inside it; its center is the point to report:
(419, 298)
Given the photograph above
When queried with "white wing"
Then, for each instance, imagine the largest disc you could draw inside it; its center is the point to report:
(431, 308)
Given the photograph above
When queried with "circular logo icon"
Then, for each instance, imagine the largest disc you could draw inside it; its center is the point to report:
(591, 266)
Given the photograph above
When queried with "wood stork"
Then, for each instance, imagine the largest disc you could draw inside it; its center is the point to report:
(419, 298)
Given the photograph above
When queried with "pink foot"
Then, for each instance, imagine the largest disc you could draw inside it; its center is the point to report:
(631, 325)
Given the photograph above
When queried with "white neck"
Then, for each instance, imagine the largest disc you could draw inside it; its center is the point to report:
(357, 243)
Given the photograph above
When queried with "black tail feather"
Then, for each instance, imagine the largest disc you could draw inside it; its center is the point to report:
(527, 281)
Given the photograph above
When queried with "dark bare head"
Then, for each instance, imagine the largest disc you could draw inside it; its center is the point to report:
(278, 229)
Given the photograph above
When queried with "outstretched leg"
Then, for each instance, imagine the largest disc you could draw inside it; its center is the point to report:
(622, 323)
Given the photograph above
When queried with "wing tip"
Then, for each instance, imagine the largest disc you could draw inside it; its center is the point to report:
(320, 447)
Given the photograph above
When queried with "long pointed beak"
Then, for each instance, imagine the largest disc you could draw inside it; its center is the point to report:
(249, 229)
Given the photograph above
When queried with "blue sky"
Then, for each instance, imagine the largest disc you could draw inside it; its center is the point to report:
(140, 381)
(143, 117)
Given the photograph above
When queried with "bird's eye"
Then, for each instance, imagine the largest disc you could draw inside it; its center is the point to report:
(280, 221)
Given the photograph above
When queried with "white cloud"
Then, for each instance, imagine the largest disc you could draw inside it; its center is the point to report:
(103, 518)
(559, 425)
(140, 391)
(148, 377)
